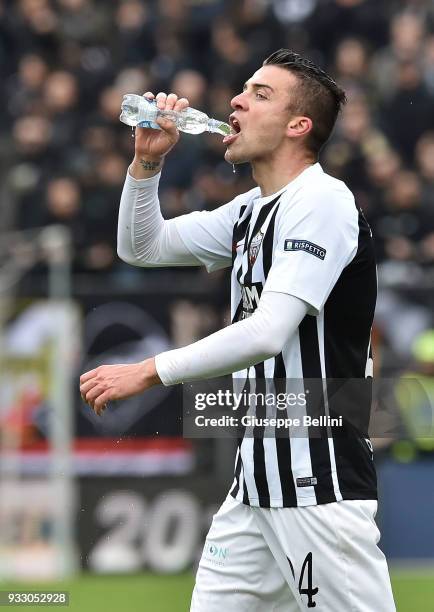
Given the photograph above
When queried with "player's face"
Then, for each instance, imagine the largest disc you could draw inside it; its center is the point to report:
(261, 115)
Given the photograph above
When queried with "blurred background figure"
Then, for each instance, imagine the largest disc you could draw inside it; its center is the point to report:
(64, 67)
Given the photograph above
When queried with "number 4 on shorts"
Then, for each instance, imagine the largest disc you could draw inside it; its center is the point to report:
(310, 591)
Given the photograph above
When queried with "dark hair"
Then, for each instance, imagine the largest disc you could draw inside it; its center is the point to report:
(317, 96)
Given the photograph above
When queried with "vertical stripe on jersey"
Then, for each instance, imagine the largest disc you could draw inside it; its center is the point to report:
(283, 443)
(260, 448)
(346, 346)
(269, 444)
(251, 491)
(242, 493)
(259, 463)
(239, 232)
(319, 448)
(239, 488)
(259, 469)
(236, 484)
(240, 229)
(320, 323)
(245, 491)
(267, 245)
(270, 450)
(299, 439)
(369, 369)
(237, 312)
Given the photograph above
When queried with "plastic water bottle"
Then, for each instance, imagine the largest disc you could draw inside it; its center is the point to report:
(143, 112)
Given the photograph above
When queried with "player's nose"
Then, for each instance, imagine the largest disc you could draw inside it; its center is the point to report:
(239, 102)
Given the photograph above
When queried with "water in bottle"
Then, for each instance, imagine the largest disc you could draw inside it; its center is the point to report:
(142, 112)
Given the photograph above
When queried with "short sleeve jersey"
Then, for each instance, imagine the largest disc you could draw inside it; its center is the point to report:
(311, 241)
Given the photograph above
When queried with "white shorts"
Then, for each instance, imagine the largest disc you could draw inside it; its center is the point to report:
(290, 559)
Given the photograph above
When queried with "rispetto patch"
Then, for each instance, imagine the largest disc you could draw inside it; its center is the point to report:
(295, 244)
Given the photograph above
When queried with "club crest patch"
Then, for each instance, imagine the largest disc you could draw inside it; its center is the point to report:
(295, 244)
(255, 245)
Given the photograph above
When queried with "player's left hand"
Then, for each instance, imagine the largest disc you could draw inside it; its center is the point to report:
(114, 382)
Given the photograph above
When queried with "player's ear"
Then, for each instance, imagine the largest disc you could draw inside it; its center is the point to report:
(299, 126)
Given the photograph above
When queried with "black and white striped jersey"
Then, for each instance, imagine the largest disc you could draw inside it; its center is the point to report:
(308, 240)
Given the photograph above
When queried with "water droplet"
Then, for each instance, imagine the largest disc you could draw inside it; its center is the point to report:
(233, 169)
(133, 132)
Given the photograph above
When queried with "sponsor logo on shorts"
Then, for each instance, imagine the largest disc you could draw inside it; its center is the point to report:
(216, 554)
(294, 244)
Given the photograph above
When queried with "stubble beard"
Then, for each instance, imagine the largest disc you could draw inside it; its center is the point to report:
(232, 157)
(257, 150)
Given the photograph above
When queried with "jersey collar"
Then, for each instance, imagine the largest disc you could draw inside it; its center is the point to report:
(304, 177)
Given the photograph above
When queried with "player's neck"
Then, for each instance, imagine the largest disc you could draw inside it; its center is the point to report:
(273, 174)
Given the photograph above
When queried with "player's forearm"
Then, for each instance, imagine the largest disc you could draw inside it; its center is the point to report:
(238, 346)
(145, 166)
(144, 237)
(140, 220)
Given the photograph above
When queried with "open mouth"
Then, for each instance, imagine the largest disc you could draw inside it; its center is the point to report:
(235, 131)
(235, 125)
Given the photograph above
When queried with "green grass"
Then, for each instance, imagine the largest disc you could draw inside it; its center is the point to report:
(414, 592)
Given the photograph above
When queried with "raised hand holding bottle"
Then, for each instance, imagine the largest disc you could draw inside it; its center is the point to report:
(143, 112)
(152, 144)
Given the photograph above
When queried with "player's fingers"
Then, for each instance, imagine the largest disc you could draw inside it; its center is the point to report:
(93, 394)
(169, 127)
(161, 100)
(100, 411)
(100, 403)
(171, 100)
(84, 387)
(87, 376)
(87, 386)
(149, 95)
(181, 104)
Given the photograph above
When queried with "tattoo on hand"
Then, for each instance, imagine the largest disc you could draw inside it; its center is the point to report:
(149, 165)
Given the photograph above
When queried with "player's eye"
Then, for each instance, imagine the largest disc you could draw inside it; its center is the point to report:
(261, 96)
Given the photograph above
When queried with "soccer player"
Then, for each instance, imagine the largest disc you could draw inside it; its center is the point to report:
(297, 528)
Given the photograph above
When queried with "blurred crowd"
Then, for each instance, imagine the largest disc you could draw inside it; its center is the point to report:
(65, 65)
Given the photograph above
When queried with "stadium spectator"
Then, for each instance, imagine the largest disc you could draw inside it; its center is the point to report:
(407, 32)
